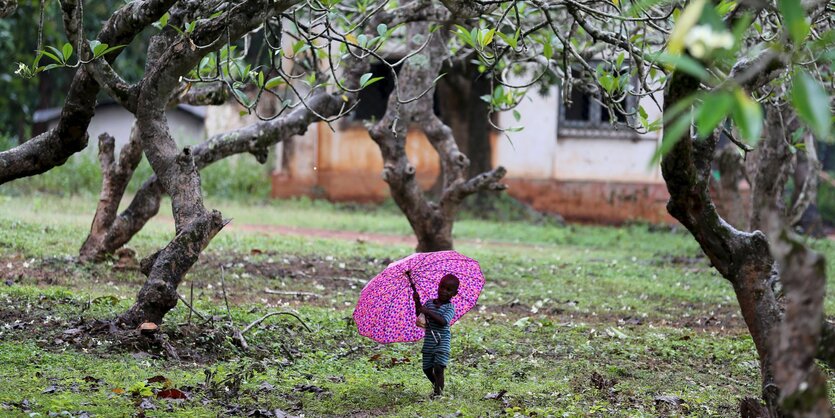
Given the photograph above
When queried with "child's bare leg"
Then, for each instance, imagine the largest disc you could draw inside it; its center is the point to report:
(439, 379)
(430, 373)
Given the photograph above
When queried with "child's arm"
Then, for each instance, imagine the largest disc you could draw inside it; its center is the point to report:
(433, 316)
(416, 297)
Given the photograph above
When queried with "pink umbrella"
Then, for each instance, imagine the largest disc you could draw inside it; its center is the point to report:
(385, 311)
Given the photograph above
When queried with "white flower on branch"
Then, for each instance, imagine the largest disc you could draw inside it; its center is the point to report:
(702, 40)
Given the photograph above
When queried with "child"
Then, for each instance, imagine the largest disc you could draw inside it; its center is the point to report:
(438, 313)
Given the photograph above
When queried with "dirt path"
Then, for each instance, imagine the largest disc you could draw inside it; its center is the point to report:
(377, 238)
(371, 237)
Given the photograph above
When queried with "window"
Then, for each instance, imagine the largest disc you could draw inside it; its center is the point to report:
(586, 117)
(373, 100)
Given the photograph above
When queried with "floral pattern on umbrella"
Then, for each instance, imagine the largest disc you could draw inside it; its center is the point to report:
(385, 311)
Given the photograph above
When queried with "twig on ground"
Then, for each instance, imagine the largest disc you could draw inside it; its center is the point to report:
(261, 319)
(237, 335)
(348, 353)
(225, 300)
(191, 309)
(350, 279)
(160, 338)
(191, 301)
(291, 293)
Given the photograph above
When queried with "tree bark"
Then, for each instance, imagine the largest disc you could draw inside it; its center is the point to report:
(803, 388)
(468, 116)
(803, 213)
(730, 202)
(772, 164)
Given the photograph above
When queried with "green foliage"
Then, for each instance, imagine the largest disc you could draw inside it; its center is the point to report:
(18, 44)
(794, 19)
(811, 102)
(562, 306)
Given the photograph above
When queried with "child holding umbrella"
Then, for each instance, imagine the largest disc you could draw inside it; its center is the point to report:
(438, 314)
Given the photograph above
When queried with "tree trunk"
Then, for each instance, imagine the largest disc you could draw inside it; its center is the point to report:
(803, 388)
(804, 214)
(115, 179)
(255, 139)
(467, 115)
(432, 222)
(195, 226)
(744, 259)
(772, 164)
(170, 56)
(730, 202)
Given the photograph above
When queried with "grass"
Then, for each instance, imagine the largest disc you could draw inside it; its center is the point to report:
(574, 321)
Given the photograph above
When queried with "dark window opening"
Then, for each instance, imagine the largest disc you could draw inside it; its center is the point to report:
(373, 100)
(606, 115)
(580, 107)
(587, 116)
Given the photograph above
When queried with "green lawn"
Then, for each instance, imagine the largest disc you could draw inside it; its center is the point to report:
(573, 321)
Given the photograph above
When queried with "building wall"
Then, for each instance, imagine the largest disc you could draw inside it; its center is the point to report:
(586, 179)
(348, 165)
(592, 178)
(116, 121)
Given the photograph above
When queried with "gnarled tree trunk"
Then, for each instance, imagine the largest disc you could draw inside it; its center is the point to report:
(431, 221)
(172, 55)
(115, 179)
(255, 139)
(744, 259)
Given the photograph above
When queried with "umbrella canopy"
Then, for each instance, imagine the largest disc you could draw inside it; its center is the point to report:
(385, 311)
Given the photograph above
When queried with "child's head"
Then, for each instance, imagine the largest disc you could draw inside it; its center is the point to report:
(447, 288)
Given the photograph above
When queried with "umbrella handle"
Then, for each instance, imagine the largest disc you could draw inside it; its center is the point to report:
(414, 289)
(411, 283)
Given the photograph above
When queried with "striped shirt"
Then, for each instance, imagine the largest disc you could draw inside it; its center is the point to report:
(437, 336)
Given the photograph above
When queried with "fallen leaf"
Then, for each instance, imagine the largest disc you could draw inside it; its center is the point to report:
(172, 394)
(72, 332)
(674, 401)
(157, 379)
(256, 251)
(118, 391)
(309, 388)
